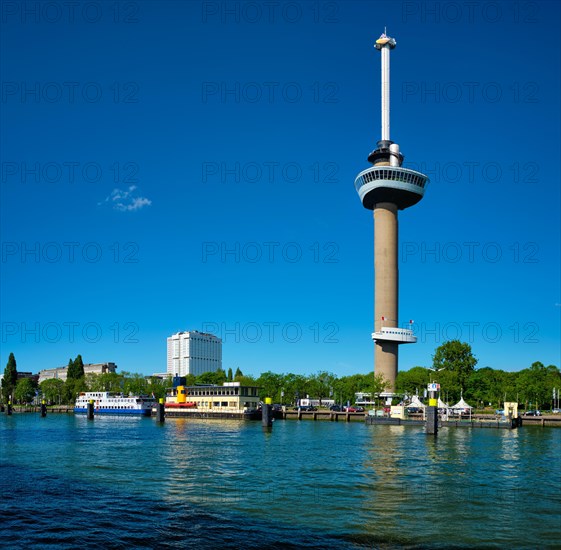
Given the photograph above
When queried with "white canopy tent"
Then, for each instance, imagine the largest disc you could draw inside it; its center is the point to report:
(461, 404)
(416, 402)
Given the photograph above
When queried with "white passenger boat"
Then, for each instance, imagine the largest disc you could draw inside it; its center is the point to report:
(115, 403)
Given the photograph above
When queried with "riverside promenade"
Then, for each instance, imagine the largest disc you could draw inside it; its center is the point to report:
(476, 420)
(37, 409)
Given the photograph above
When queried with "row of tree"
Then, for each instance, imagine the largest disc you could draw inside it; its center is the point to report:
(454, 367)
(25, 390)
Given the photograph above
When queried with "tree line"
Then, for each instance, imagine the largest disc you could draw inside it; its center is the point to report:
(453, 366)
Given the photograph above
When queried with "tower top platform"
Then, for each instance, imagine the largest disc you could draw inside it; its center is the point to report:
(385, 40)
(400, 186)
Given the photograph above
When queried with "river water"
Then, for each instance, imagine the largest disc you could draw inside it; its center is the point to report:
(129, 482)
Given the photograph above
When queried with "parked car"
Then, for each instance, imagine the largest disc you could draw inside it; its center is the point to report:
(532, 413)
(413, 410)
(305, 408)
(556, 411)
(354, 409)
(335, 408)
(500, 412)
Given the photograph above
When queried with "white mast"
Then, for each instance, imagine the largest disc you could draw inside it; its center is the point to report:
(385, 44)
(386, 93)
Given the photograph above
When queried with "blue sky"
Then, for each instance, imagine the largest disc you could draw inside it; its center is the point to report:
(170, 166)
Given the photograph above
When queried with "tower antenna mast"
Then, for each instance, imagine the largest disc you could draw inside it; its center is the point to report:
(385, 44)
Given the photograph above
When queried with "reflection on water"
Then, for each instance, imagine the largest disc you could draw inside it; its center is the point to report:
(209, 473)
(371, 485)
(473, 480)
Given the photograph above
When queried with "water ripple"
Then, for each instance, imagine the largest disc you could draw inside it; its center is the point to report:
(113, 483)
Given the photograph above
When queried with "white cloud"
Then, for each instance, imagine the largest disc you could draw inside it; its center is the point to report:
(125, 200)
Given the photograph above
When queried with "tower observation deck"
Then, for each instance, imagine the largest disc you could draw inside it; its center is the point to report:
(385, 188)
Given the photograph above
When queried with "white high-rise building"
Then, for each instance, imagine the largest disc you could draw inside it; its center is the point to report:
(193, 352)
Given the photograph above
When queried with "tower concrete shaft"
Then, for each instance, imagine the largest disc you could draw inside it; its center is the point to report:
(386, 280)
(385, 188)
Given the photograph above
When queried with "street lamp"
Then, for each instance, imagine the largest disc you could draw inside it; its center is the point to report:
(433, 369)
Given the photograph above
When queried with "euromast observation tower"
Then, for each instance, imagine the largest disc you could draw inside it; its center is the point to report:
(385, 188)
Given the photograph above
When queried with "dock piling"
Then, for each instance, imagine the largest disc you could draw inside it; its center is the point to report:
(431, 425)
(267, 414)
(160, 411)
(91, 410)
(43, 409)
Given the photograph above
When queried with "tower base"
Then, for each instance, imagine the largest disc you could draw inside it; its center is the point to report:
(385, 363)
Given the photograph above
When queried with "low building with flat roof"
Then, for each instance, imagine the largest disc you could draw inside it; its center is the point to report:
(60, 373)
(229, 400)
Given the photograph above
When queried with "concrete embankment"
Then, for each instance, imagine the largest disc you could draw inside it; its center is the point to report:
(333, 416)
(552, 420)
(37, 409)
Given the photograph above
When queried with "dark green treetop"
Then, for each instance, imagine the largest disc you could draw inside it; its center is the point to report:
(10, 377)
(75, 369)
(458, 362)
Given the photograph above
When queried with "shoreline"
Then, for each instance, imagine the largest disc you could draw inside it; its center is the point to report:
(477, 420)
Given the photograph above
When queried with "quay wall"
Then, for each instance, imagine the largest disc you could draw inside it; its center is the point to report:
(37, 409)
(477, 420)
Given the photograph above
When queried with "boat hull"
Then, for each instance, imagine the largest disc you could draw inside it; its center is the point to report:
(194, 413)
(115, 412)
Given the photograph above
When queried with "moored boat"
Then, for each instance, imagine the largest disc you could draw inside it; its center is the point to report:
(115, 403)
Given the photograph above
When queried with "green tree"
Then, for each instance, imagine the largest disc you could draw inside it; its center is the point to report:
(485, 386)
(70, 370)
(91, 381)
(217, 377)
(79, 367)
(108, 381)
(535, 385)
(321, 384)
(246, 380)
(270, 385)
(75, 369)
(295, 387)
(24, 391)
(10, 378)
(75, 380)
(450, 388)
(52, 390)
(412, 381)
(72, 388)
(158, 386)
(455, 357)
(230, 375)
(238, 374)
(135, 384)
(344, 388)
(221, 376)
(376, 384)
(553, 380)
